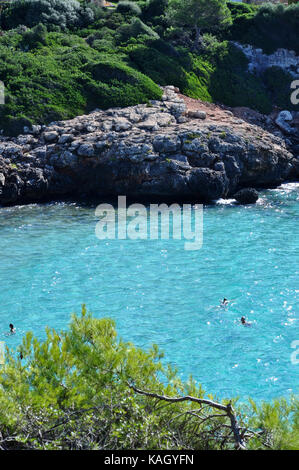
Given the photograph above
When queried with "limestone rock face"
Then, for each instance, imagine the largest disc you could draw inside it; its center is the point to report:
(197, 114)
(258, 61)
(283, 119)
(148, 151)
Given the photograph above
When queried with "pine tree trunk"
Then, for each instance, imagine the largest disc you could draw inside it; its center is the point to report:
(197, 38)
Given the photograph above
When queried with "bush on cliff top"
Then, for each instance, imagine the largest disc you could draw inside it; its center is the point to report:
(233, 85)
(62, 79)
(269, 27)
(51, 76)
(220, 77)
(128, 8)
(134, 29)
(115, 84)
(278, 84)
(178, 70)
(64, 14)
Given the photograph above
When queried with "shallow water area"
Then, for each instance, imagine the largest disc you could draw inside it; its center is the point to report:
(51, 262)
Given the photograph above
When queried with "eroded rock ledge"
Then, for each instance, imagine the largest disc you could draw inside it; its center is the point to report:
(144, 151)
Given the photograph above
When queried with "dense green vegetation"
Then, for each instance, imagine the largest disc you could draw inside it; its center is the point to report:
(269, 27)
(74, 391)
(52, 13)
(212, 15)
(62, 58)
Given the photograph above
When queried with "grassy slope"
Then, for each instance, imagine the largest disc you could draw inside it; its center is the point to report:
(119, 60)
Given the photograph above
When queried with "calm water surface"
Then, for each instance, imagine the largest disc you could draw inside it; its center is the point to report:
(51, 262)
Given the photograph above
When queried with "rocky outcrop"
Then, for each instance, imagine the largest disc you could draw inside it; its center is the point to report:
(283, 122)
(143, 152)
(247, 196)
(258, 61)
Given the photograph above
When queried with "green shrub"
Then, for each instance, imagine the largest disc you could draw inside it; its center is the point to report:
(219, 74)
(278, 83)
(61, 13)
(80, 389)
(113, 83)
(269, 27)
(113, 21)
(278, 422)
(231, 84)
(102, 39)
(239, 8)
(64, 78)
(103, 45)
(154, 11)
(37, 89)
(128, 8)
(34, 38)
(133, 30)
(213, 48)
(159, 67)
(51, 76)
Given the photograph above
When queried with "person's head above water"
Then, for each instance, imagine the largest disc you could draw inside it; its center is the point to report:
(224, 300)
(11, 327)
(243, 320)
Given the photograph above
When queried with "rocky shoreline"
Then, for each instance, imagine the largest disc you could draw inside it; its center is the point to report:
(151, 151)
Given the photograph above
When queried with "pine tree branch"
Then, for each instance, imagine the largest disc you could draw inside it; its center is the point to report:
(228, 409)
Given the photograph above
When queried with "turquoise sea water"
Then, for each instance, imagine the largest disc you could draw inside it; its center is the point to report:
(51, 262)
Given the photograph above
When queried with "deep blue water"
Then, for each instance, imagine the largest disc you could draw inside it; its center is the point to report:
(51, 262)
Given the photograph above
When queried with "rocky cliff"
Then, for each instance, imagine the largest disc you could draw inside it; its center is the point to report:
(159, 150)
(258, 61)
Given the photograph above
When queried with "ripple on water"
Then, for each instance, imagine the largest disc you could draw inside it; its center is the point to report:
(51, 262)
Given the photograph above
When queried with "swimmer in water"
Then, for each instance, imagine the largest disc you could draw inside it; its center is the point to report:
(244, 322)
(12, 329)
(224, 302)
